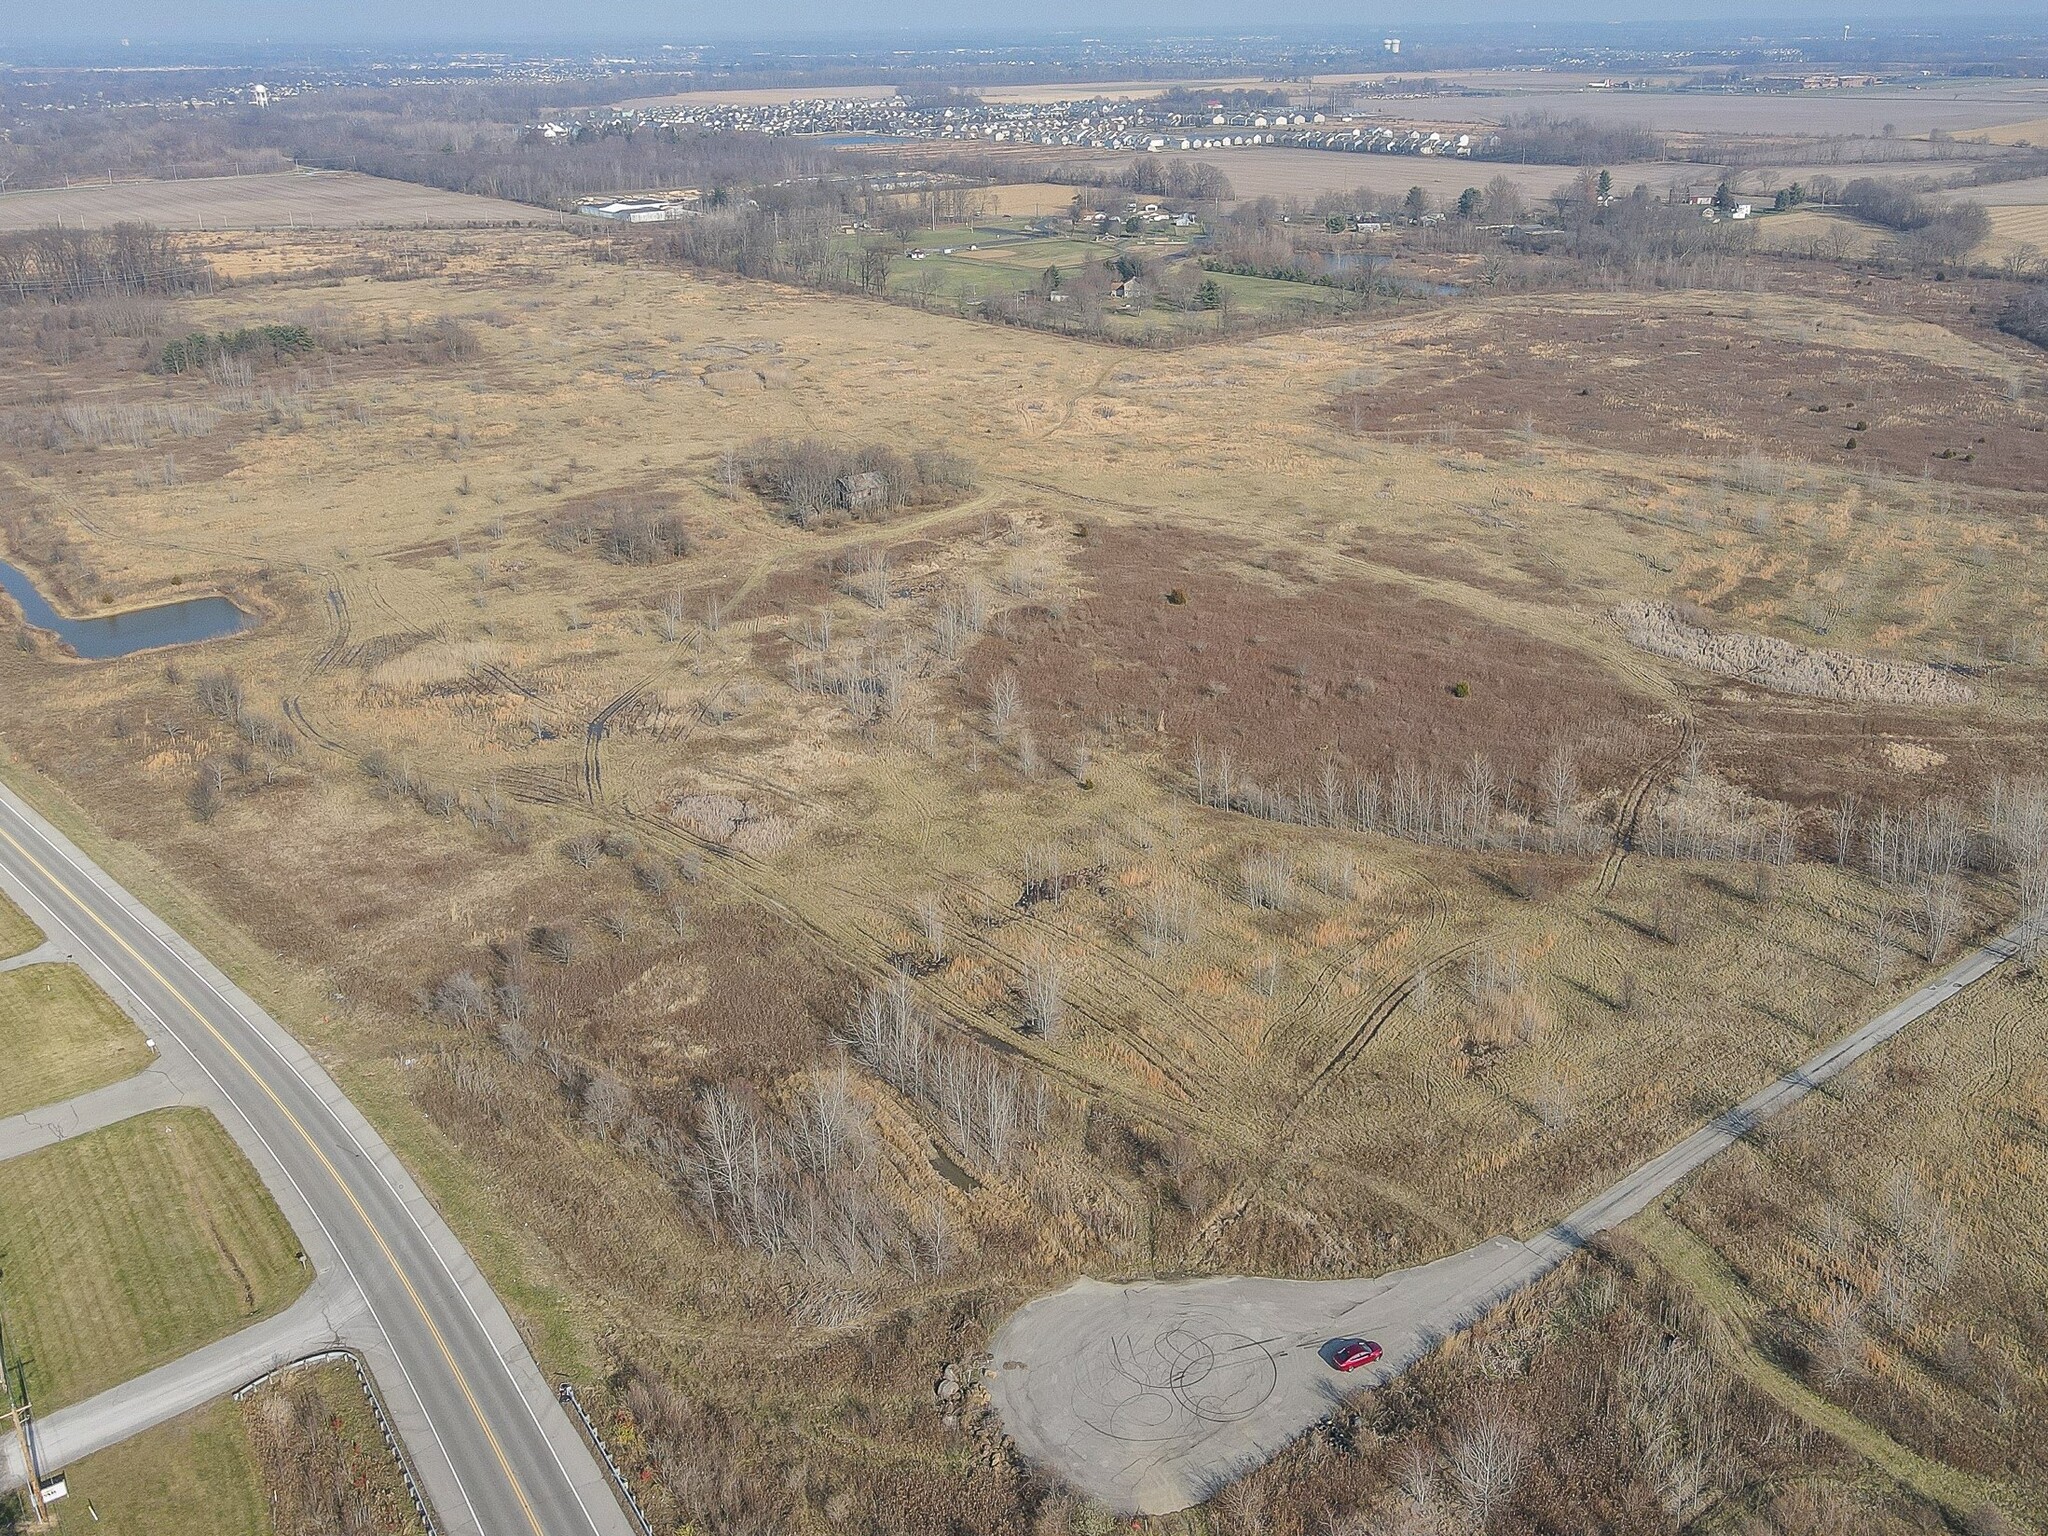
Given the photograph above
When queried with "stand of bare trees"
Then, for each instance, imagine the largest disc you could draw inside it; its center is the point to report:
(817, 484)
(68, 265)
(808, 1186)
(1473, 806)
(984, 1109)
(1928, 232)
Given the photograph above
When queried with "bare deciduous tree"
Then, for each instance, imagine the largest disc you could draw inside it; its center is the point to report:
(461, 998)
(1842, 1335)
(1847, 816)
(1267, 880)
(1941, 908)
(1005, 701)
(1486, 1458)
(931, 927)
(1560, 786)
(1166, 918)
(1039, 983)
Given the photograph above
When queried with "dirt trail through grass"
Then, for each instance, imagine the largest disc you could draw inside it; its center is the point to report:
(1682, 1255)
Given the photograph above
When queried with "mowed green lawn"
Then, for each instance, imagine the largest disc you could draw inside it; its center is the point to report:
(17, 934)
(973, 274)
(59, 1036)
(195, 1476)
(131, 1246)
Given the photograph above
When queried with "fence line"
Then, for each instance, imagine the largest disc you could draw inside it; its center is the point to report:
(391, 1440)
(568, 1395)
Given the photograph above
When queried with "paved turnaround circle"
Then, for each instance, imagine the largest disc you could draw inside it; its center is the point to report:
(1164, 1382)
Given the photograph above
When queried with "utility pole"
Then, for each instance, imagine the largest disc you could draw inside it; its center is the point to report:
(17, 1415)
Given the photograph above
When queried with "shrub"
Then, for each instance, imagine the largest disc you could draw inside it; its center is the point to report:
(2027, 317)
(190, 354)
(817, 483)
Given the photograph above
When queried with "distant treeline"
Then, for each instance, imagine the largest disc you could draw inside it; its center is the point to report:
(1183, 181)
(1632, 237)
(66, 265)
(1536, 138)
(1929, 231)
(2027, 317)
(1190, 102)
(495, 163)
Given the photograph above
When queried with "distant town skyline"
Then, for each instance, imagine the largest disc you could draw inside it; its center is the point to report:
(484, 24)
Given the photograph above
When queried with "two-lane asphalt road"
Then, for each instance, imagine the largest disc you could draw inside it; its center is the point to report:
(497, 1454)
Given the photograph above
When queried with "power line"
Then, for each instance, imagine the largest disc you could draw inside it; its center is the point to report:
(18, 1416)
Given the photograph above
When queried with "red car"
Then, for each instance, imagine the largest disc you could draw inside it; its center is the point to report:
(1353, 1353)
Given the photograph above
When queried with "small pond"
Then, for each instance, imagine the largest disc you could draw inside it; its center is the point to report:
(118, 634)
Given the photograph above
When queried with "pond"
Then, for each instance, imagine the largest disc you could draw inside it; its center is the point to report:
(119, 634)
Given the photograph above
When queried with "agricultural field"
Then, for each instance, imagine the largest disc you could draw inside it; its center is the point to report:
(1308, 173)
(283, 200)
(1817, 232)
(2019, 233)
(130, 1246)
(17, 934)
(61, 1036)
(1959, 107)
(1297, 805)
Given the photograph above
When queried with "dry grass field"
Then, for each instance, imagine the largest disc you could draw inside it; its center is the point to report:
(60, 1036)
(2033, 131)
(1234, 832)
(1961, 107)
(1884, 1247)
(294, 200)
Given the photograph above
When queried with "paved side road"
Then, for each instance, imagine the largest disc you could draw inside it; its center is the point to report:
(152, 1088)
(496, 1453)
(1151, 1397)
(329, 1314)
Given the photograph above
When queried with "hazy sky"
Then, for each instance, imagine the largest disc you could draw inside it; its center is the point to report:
(479, 23)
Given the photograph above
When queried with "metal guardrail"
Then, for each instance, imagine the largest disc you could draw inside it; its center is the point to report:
(568, 1395)
(391, 1440)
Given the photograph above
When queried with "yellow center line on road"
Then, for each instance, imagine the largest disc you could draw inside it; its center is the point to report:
(404, 1279)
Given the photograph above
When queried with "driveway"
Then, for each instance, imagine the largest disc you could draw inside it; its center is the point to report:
(1150, 1397)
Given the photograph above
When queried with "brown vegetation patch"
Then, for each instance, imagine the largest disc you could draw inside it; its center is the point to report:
(1807, 752)
(1284, 675)
(1680, 383)
(1595, 1401)
(728, 821)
